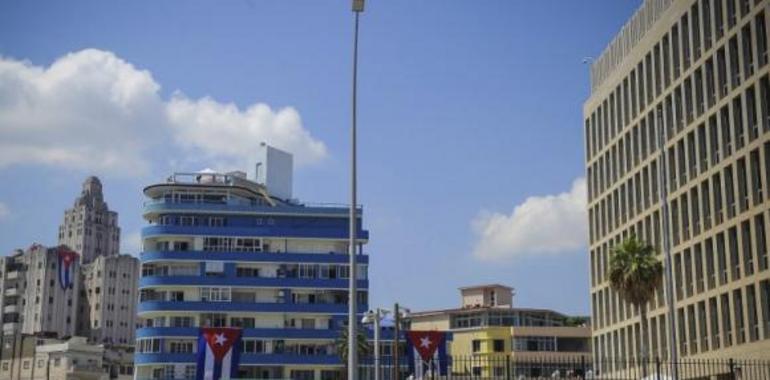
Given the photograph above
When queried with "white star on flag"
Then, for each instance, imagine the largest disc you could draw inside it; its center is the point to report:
(220, 339)
(425, 342)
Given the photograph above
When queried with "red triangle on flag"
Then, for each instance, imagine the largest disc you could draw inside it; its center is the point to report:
(426, 342)
(220, 340)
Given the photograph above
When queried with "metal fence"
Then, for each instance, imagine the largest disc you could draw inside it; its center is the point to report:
(510, 367)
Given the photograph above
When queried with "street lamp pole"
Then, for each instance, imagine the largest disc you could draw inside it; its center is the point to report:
(358, 7)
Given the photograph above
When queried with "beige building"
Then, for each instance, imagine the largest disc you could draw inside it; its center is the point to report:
(108, 300)
(695, 74)
(73, 358)
(89, 227)
(487, 328)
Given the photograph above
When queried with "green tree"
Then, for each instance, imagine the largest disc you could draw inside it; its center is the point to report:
(635, 273)
(341, 345)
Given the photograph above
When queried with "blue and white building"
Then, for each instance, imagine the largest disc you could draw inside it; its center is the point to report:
(222, 250)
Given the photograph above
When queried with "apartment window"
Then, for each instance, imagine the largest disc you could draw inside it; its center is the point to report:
(706, 14)
(748, 255)
(719, 23)
(761, 241)
(721, 258)
(740, 324)
(727, 327)
(699, 280)
(213, 320)
(714, 313)
(732, 16)
(181, 347)
(748, 53)
(730, 192)
(476, 346)
(685, 23)
(181, 321)
(710, 268)
(761, 30)
(722, 72)
(743, 187)
(254, 346)
(764, 101)
(764, 289)
(732, 235)
(696, 43)
(740, 135)
(215, 294)
(498, 345)
(735, 69)
(215, 268)
(751, 114)
(751, 309)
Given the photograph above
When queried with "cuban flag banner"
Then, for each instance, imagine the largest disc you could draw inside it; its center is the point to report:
(218, 353)
(67, 260)
(427, 353)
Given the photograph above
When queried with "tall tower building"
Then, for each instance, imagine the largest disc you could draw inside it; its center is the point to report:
(694, 75)
(89, 227)
(224, 251)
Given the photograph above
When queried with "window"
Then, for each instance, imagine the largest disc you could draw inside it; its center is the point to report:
(476, 345)
(181, 347)
(498, 345)
(215, 294)
(215, 268)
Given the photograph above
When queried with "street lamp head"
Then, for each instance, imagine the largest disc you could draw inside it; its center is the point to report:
(358, 6)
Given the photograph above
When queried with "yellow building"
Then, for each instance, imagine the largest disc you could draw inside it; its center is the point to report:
(488, 333)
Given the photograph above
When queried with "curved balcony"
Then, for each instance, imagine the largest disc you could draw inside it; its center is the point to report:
(267, 282)
(275, 333)
(246, 359)
(267, 333)
(314, 232)
(159, 206)
(197, 306)
(256, 257)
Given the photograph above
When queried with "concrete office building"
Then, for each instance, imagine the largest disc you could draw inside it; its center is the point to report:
(487, 328)
(225, 251)
(698, 71)
(109, 296)
(89, 227)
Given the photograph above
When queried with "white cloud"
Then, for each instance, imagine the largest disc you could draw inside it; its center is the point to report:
(223, 132)
(5, 212)
(548, 224)
(91, 110)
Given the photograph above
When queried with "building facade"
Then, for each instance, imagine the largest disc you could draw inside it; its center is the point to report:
(108, 300)
(694, 76)
(89, 227)
(487, 329)
(35, 304)
(223, 251)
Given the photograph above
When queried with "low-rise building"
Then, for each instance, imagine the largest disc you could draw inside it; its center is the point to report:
(487, 330)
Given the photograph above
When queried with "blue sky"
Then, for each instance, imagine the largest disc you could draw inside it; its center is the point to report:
(469, 112)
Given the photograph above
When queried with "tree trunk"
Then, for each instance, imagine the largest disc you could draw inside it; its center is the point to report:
(644, 355)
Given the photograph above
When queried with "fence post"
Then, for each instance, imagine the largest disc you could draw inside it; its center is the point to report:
(508, 367)
(732, 369)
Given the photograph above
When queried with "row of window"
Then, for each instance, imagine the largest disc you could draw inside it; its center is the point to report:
(724, 320)
(670, 58)
(221, 320)
(735, 125)
(736, 252)
(696, 209)
(248, 346)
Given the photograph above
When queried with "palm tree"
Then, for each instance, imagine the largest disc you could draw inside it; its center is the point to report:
(635, 273)
(342, 345)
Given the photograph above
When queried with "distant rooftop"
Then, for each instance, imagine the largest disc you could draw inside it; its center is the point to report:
(485, 287)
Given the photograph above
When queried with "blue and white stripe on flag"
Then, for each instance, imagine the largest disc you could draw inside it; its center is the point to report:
(427, 353)
(66, 273)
